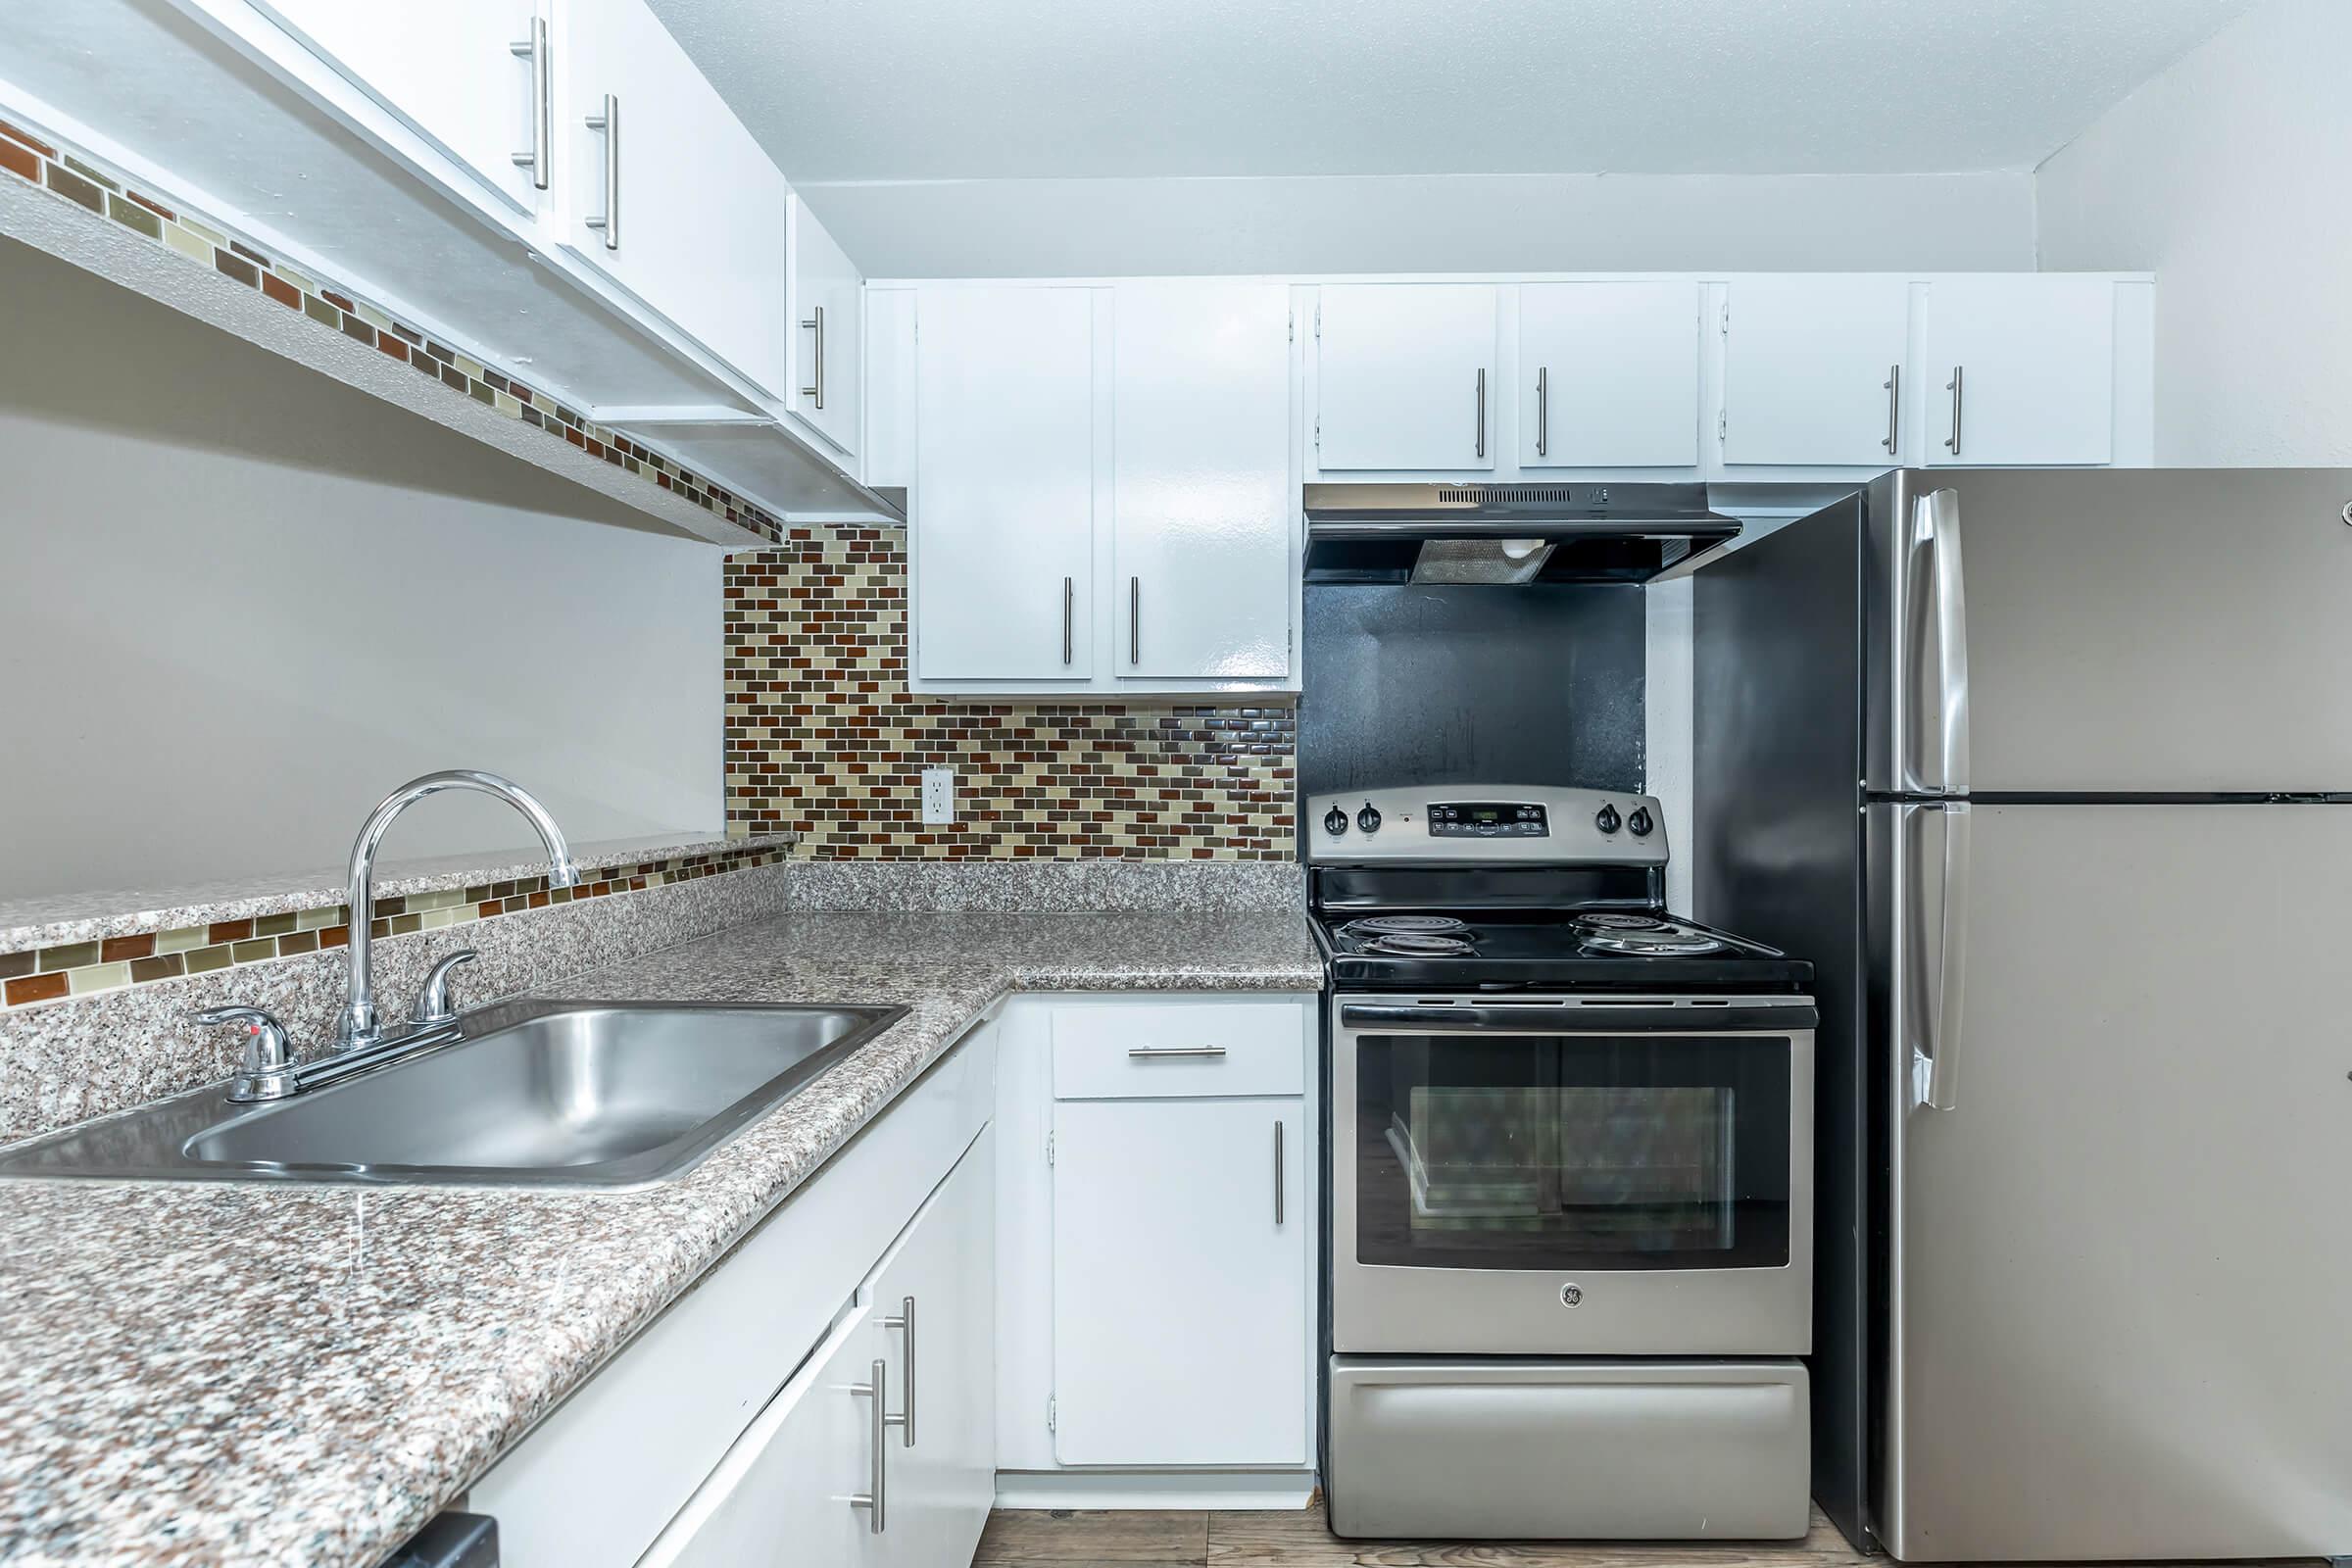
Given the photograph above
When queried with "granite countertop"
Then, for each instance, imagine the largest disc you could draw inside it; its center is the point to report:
(51, 919)
(230, 1372)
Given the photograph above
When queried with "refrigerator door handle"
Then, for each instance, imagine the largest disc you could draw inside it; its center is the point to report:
(1938, 741)
(1934, 950)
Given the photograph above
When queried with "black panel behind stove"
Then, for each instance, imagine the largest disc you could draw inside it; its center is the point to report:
(1468, 684)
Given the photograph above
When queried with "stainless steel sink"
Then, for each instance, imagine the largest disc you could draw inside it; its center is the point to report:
(530, 1093)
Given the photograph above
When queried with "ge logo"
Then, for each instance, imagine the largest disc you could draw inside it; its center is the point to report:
(1571, 1295)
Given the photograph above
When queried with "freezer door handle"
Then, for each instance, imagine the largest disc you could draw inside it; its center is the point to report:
(1936, 739)
(1933, 952)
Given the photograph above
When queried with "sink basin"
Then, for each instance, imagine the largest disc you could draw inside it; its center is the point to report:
(531, 1093)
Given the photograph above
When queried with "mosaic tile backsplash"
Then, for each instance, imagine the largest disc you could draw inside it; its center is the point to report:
(331, 305)
(80, 968)
(825, 739)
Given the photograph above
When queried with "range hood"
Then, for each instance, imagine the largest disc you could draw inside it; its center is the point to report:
(1508, 534)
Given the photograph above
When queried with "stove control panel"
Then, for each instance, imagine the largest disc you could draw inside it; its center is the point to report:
(1469, 824)
(1488, 820)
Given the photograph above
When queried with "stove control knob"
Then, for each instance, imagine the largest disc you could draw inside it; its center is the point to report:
(1368, 818)
(1335, 821)
(1608, 821)
(1640, 822)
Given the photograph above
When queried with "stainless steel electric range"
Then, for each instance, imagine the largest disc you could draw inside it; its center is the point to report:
(1570, 1216)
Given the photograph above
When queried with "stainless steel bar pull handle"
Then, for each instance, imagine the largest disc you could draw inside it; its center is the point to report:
(1957, 386)
(1069, 594)
(1936, 727)
(1278, 1181)
(1150, 1052)
(817, 381)
(543, 103)
(1894, 407)
(904, 1322)
(1482, 411)
(1542, 410)
(874, 1501)
(1935, 956)
(1135, 620)
(609, 122)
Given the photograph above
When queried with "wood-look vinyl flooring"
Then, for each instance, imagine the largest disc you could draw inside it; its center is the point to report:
(1298, 1539)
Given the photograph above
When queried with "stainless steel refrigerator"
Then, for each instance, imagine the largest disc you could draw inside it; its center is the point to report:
(2050, 775)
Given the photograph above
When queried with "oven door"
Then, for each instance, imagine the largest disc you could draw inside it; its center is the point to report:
(1572, 1176)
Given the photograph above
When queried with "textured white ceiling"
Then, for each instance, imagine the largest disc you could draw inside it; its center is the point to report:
(986, 89)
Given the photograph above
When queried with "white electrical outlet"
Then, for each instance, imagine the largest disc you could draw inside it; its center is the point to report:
(938, 795)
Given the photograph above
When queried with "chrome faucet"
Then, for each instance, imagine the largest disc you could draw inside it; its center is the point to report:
(359, 1025)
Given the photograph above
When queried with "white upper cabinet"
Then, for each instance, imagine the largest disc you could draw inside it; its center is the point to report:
(1405, 376)
(822, 288)
(1204, 496)
(1813, 370)
(1003, 500)
(1609, 374)
(2020, 370)
(664, 191)
(472, 76)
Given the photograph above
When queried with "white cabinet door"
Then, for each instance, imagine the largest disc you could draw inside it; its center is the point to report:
(933, 1300)
(1001, 518)
(823, 287)
(666, 193)
(1812, 371)
(1610, 373)
(2020, 370)
(1405, 376)
(1181, 1287)
(447, 68)
(781, 1497)
(1202, 499)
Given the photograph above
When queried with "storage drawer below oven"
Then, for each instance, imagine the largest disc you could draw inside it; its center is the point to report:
(1571, 1451)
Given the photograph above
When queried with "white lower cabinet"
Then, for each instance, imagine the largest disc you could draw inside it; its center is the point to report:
(1180, 1281)
(743, 1379)
(1156, 1220)
(881, 1448)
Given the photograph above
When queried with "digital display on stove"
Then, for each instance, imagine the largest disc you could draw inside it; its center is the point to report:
(1487, 820)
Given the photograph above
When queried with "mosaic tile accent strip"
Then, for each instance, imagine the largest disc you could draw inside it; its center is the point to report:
(332, 305)
(825, 739)
(80, 968)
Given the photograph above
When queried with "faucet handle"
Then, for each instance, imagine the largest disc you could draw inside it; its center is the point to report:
(268, 1070)
(432, 1003)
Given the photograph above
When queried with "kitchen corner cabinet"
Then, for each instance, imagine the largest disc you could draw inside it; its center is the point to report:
(2020, 370)
(469, 76)
(1609, 374)
(1406, 377)
(823, 300)
(1105, 493)
(1813, 370)
(665, 192)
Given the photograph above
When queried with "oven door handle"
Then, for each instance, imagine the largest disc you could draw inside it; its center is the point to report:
(1586, 1020)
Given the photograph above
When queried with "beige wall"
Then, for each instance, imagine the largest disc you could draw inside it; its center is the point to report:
(238, 603)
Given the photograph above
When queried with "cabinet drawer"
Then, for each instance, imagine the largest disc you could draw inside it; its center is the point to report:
(1155, 1050)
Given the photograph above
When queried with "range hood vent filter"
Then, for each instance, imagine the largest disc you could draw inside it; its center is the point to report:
(1475, 561)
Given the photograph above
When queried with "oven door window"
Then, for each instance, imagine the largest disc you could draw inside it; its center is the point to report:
(1551, 1151)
